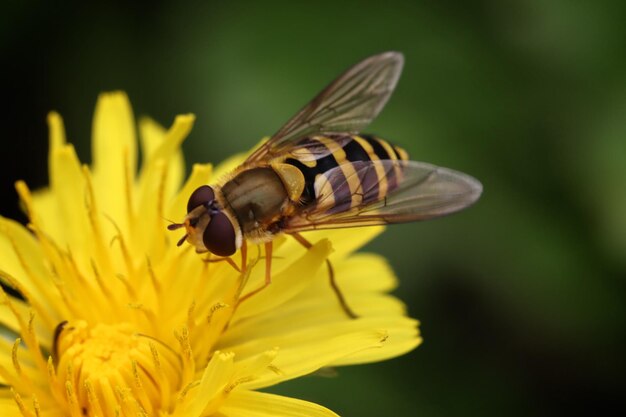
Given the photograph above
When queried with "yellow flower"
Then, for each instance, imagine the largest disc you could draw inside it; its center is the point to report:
(108, 317)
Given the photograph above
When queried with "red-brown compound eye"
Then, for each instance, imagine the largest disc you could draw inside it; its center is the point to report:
(219, 236)
(202, 195)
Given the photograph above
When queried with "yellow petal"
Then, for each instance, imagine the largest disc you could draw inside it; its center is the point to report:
(174, 137)
(243, 403)
(56, 134)
(8, 407)
(358, 277)
(8, 321)
(286, 284)
(359, 273)
(228, 165)
(327, 312)
(46, 208)
(28, 371)
(22, 261)
(346, 241)
(401, 338)
(215, 378)
(303, 352)
(152, 136)
(114, 155)
(147, 227)
(44, 201)
(43, 331)
(177, 208)
(69, 189)
(249, 368)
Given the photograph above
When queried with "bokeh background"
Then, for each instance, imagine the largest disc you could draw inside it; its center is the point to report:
(521, 297)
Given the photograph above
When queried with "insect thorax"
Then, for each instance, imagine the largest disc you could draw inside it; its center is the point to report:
(257, 197)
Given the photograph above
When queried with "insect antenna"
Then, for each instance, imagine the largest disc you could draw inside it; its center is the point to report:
(182, 239)
(174, 226)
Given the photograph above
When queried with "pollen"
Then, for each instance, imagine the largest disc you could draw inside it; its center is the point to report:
(108, 367)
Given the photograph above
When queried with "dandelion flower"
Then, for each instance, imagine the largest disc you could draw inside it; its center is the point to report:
(108, 317)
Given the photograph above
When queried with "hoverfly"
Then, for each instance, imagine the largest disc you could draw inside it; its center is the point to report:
(319, 172)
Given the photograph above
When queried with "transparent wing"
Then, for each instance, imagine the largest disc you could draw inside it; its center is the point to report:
(347, 105)
(384, 192)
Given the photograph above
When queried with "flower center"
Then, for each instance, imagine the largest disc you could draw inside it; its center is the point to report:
(106, 369)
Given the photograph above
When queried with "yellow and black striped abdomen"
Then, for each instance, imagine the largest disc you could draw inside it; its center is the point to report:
(338, 172)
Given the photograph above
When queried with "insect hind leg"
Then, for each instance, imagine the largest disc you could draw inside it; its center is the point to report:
(331, 275)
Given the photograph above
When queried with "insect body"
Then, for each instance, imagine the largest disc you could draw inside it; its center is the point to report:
(338, 169)
(318, 171)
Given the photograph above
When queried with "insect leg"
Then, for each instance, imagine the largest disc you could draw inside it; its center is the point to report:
(268, 273)
(268, 263)
(228, 260)
(244, 255)
(331, 276)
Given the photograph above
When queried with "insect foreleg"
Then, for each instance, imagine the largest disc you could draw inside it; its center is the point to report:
(331, 276)
(268, 272)
(244, 255)
(227, 259)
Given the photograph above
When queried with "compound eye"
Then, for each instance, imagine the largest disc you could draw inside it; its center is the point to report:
(200, 196)
(219, 235)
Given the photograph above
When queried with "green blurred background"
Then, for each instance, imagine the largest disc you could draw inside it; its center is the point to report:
(521, 297)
